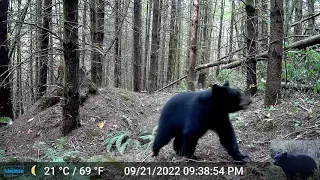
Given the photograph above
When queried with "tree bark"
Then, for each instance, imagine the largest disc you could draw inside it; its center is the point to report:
(163, 44)
(19, 87)
(220, 33)
(137, 46)
(117, 46)
(43, 76)
(273, 85)
(84, 27)
(146, 48)
(193, 47)
(251, 65)
(153, 72)
(298, 17)
(205, 43)
(311, 21)
(71, 98)
(6, 108)
(173, 38)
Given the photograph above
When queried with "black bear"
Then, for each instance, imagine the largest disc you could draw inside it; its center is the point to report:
(187, 116)
(293, 165)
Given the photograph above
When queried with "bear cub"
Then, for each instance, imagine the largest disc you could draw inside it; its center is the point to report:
(187, 116)
(293, 165)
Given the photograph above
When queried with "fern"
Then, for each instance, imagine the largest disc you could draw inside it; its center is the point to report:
(55, 154)
(122, 139)
(124, 146)
(119, 141)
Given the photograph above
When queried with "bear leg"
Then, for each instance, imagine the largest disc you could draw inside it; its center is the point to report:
(161, 139)
(177, 145)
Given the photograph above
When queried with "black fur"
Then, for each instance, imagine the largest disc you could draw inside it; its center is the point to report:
(292, 165)
(187, 116)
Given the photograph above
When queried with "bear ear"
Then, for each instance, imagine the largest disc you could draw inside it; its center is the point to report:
(215, 88)
(285, 154)
(226, 83)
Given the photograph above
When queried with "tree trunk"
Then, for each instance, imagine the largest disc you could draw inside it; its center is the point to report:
(163, 44)
(146, 48)
(193, 47)
(311, 21)
(84, 33)
(38, 46)
(32, 97)
(97, 34)
(173, 38)
(264, 26)
(153, 72)
(18, 96)
(298, 17)
(6, 109)
(273, 85)
(177, 45)
(231, 28)
(117, 46)
(43, 76)
(70, 111)
(137, 46)
(99, 45)
(251, 64)
(220, 33)
(205, 43)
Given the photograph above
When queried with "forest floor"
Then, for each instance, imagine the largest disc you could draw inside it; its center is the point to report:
(296, 116)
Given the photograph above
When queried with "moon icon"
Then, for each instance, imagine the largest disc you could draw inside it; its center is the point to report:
(33, 170)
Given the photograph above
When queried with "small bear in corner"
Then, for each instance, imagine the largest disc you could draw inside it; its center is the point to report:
(293, 165)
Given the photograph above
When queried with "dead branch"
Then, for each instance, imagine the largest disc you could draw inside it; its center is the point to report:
(171, 83)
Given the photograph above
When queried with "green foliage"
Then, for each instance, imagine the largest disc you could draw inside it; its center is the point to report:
(121, 140)
(224, 74)
(303, 67)
(6, 120)
(275, 172)
(56, 153)
(182, 86)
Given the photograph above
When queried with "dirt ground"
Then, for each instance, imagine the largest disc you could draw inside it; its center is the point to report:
(296, 116)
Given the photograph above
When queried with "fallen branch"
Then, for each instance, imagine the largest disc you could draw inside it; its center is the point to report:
(305, 19)
(174, 82)
(293, 86)
(313, 40)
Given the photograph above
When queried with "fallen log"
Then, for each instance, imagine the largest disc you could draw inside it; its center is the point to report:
(293, 86)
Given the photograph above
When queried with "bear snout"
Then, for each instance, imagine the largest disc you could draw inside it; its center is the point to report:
(245, 102)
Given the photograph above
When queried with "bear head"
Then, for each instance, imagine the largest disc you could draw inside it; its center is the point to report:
(231, 99)
(280, 159)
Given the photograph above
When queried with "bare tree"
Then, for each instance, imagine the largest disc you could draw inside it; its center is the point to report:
(193, 46)
(137, 46)
(273, 85)
(71, 98)
(6, 109)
